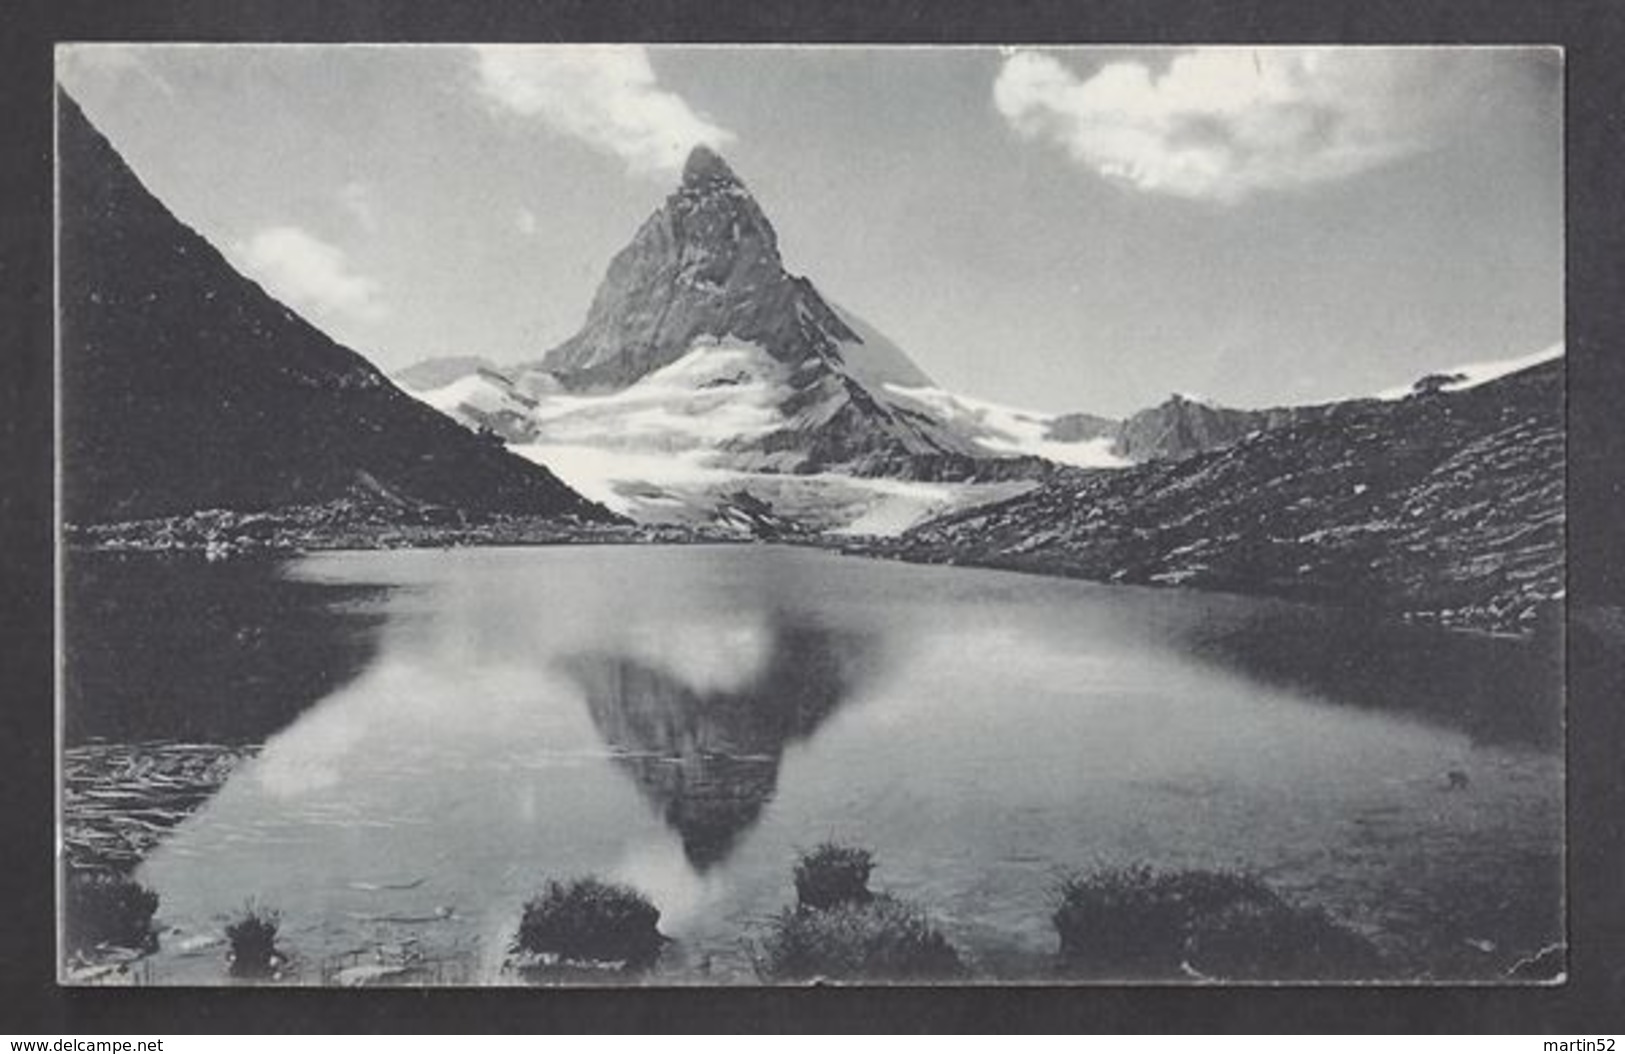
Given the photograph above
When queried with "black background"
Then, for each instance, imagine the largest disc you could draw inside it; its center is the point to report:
(1593, 1000)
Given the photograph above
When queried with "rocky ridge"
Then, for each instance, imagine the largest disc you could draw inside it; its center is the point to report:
(1444, 508)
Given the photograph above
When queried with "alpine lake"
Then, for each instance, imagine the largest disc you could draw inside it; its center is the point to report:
(396, 749)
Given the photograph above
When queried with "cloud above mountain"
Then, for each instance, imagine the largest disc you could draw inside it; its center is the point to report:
(604, 95)
(1226, 123)
(309, 274)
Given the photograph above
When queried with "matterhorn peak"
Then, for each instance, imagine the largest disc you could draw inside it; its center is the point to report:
(705, 166)
(704, 266)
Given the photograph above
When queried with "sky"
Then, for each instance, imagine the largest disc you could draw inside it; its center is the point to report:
(1063, 229)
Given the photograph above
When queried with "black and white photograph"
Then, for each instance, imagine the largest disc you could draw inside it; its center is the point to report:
(764, 515)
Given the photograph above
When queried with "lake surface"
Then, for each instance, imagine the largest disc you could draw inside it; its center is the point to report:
(444, 730)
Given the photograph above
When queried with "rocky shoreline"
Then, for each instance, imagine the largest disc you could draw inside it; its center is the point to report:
(1520, 597)
(225, 533)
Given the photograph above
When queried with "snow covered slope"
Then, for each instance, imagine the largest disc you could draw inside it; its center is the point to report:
(682, 442)
(723, 391)
(1006, 431)
(482, 399)
(1472, 374)
(679, 445)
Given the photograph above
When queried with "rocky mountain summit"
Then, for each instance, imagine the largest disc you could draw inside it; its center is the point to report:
(707, 264)
(1181, 426)
(1444, 507)
(705, 270)
(185, 386)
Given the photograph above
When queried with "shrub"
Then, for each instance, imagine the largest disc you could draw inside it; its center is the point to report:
(253, 942)
(591, 921)
(879, 939)
(1135, 923)
(1255, 942)
(1136, 920)
(1115, 919)
(103, 908)
(834, 874)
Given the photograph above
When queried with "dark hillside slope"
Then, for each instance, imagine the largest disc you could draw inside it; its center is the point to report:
(185, 386)
(1443, 507)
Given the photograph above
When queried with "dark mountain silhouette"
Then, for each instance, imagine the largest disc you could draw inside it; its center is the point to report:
(185, 386)
(176, 668)
(204, 652)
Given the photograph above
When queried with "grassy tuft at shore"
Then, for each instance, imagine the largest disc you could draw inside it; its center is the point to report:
(1136, 923)
(842, 931)
(105, 909)
(882, 939)
(252, 937)
(833, 874)
(587, 921)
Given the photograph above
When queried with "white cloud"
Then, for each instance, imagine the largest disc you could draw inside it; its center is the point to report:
(309, 274)
(525, 221)
(1223, 123)
(605, 95)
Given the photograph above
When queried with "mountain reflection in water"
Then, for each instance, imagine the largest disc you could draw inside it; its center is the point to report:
(1498, 691)
(666, 718)
(704, 750)
(176, 669)
(173, 648)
